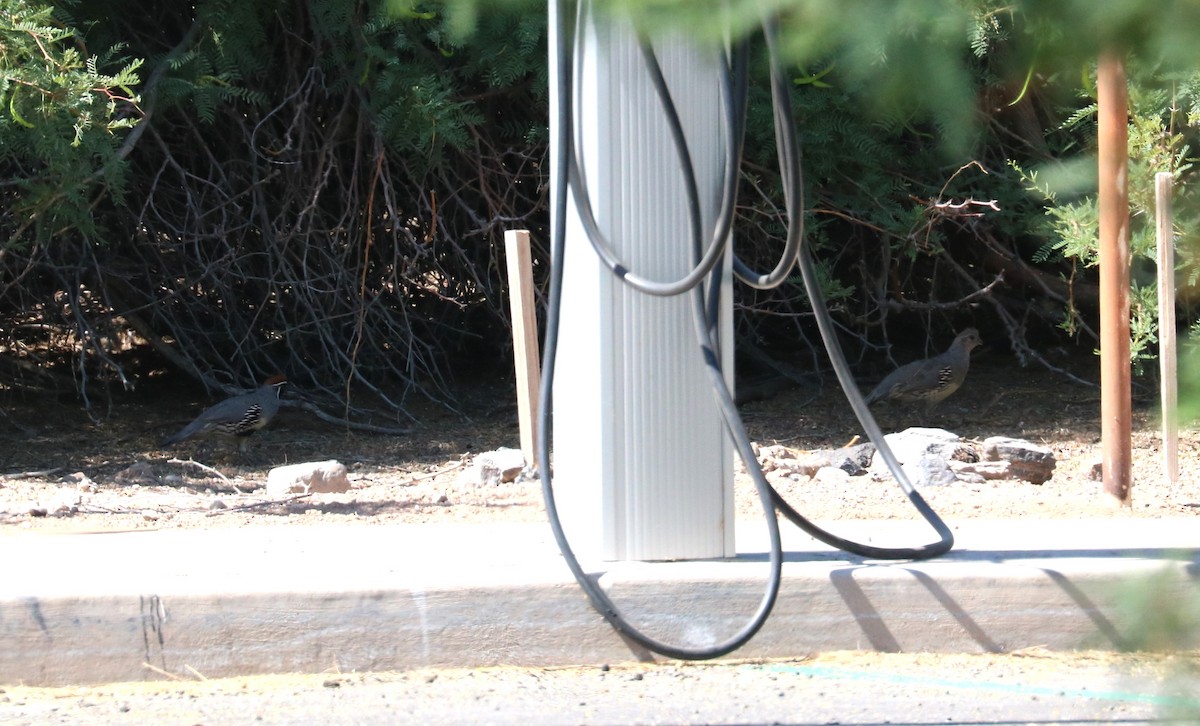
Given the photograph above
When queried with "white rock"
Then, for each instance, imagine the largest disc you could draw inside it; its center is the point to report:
(924, 455)
(138, 473)
(980, 471)
(81, 481)
(779, 478)
(1028, 461)
(924, 440)
(493, 467)
(806, 467)
(775, 451)
(308, 478)
(65, 503)
(831, 475)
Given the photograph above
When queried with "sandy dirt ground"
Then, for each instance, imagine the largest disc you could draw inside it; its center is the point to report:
(61, 470)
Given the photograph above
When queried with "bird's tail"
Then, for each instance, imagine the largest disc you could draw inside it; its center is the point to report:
(179, 435)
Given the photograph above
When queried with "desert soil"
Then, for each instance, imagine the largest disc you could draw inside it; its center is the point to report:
(60, 470)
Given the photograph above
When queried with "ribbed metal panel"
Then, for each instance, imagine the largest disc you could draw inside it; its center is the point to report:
(643, 468)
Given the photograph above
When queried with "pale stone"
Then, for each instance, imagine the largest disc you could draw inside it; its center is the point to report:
(141, 473)
(806, 467)
(979, 471)
(851, 459)
(832, 475)
(493, 467)
(309, 477)
(775, 451)
(779, 478)
(924, 454)
(1027, 461)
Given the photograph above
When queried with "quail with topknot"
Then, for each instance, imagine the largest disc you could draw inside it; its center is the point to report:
(239, 416)
(931, 380)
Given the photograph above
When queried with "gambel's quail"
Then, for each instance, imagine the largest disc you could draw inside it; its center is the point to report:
(931, 380)
(238, 416)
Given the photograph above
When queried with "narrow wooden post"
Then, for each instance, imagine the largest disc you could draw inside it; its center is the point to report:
(1166, 325)
(1116, 426)
(525, 337)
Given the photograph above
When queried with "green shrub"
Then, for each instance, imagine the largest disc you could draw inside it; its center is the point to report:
(64, 116)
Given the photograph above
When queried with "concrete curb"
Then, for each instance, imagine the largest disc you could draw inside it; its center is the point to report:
(94, 608)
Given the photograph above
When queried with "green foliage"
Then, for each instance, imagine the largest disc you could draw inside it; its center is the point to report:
(382, 139)
(894, 95)
(430, 87)
(1189, 376)
(222, 66)
(1159, 141)
(1071, 228)
(1161, 612)
(423, 85)
(64, 116)
(313, 185)
(1143, 325)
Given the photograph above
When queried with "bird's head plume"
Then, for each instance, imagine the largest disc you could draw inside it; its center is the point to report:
(969, 339)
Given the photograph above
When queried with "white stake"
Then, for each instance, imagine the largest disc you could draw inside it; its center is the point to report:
(525, 337)
(1166, 325)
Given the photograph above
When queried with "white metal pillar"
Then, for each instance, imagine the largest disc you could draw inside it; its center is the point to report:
(643, 469)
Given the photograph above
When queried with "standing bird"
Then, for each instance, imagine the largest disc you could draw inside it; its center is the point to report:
(931, 380)
(238, 416)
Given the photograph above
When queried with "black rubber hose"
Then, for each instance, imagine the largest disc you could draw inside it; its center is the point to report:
(599, 599)
(706, 261)
(578, 181)
(789, 154)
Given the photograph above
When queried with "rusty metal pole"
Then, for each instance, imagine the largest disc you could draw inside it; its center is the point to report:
(1112, 96)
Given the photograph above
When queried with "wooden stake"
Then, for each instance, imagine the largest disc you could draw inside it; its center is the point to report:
(1116, 426)
(525, 337)
(1166, 325)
